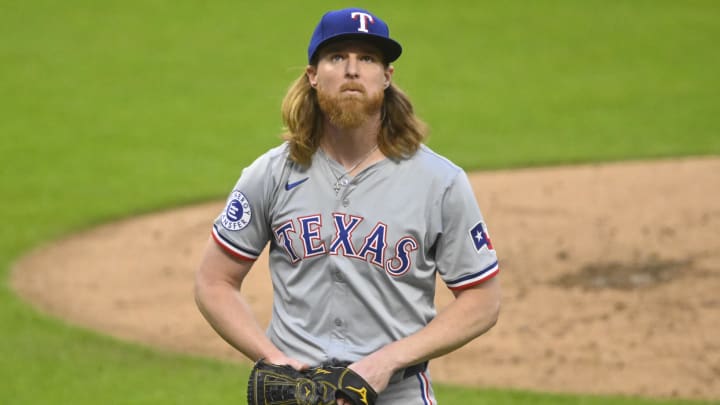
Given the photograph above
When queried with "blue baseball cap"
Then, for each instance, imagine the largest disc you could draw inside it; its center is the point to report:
(354, 23)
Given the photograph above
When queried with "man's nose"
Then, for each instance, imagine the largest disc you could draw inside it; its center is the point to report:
(351, 66)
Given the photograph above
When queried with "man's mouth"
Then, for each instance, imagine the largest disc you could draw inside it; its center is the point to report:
(352, 89)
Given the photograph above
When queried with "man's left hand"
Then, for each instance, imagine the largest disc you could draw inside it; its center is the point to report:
(375, 370)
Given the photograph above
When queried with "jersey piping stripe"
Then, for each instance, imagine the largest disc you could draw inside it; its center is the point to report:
(424, 388)
(475, 278)
(230, 248)
(462, 279)
(474, 283)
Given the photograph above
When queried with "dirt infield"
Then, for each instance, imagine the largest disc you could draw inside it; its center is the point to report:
(610, 274)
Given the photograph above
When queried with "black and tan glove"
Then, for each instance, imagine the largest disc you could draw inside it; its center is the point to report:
(270, 384)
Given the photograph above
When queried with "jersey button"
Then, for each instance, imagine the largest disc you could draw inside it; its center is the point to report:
(346, 202)
(338, 276)
(338, 322)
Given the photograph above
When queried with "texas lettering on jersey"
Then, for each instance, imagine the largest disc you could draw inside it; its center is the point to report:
(306, 230)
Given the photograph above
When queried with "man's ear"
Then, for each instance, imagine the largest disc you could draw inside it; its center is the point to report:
(311, 73)
(388, 75)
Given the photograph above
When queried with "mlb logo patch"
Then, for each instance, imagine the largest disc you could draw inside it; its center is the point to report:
(480, 237)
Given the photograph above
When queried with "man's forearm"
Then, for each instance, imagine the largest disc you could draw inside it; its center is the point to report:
(472, 313)
(232, 318)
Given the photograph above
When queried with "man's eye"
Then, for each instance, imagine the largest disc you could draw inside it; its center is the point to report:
(336, 58)
(367, 58)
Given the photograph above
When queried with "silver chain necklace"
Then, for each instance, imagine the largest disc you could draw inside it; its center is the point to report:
(339, 180)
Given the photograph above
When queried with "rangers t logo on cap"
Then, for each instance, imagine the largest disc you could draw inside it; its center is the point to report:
(364, 18)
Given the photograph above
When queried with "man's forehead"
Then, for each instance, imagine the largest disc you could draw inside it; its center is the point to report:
(351, 45)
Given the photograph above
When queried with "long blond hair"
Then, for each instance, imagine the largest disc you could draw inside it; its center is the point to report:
(401, 132)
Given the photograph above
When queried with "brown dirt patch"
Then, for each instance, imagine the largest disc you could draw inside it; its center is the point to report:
(610, 274)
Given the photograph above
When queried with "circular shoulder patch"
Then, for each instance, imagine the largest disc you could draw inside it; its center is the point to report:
(237, 214)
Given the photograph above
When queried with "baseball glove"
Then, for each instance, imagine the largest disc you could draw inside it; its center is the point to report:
(271, 384)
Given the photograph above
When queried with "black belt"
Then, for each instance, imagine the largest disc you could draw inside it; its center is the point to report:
(399, 375)
(408, 372)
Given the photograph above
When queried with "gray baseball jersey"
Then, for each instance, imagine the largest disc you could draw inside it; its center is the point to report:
(355, 270)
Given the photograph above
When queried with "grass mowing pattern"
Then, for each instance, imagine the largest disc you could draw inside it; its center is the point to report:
(115, 108)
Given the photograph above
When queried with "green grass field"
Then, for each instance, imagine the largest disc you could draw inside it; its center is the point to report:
(113, 108)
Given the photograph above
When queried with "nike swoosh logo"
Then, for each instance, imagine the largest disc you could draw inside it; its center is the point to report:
(289, 186)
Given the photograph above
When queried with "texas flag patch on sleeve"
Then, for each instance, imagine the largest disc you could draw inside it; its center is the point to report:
(480, 238)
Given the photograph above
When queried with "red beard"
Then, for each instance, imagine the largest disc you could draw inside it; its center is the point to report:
(349, 110)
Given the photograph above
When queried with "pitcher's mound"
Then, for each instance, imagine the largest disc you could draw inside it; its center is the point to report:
(610, 275)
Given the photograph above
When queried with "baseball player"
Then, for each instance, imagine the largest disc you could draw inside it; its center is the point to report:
(361, 218)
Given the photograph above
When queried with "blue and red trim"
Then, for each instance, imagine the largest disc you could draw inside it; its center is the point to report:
(425, 388)
(231, 249)
(474, 279)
